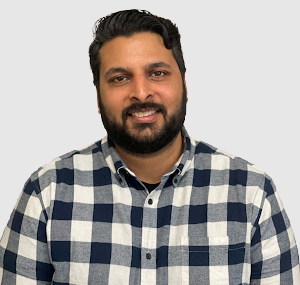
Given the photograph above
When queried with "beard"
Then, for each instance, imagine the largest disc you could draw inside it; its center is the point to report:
(139, 141)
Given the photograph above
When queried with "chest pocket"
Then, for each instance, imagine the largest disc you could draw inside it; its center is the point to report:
(212, 260)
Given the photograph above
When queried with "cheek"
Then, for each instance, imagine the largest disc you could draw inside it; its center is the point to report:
(111, 109)
(110, 101)
(172, 95)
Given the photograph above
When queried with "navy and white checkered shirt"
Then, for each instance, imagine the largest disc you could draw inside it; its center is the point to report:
(85, 218)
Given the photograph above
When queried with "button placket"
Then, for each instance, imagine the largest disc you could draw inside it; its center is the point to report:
(149, 233)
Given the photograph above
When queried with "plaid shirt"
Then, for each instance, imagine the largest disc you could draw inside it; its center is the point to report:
(85, 218)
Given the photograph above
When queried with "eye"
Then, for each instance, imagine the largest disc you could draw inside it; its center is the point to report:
(118, 79)
(159, 73)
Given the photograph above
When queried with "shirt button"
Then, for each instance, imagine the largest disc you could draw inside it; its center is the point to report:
(148, 255)
(150, 201)
(175, 180)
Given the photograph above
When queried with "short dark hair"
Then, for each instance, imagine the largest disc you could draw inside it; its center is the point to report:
(127, 23)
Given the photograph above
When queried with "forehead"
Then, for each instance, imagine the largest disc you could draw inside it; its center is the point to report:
(137, 50)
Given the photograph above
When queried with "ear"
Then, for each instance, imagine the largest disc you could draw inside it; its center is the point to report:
(98, 101)
(184, 82)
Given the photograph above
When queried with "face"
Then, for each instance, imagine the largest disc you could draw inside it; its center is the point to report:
(143, 96)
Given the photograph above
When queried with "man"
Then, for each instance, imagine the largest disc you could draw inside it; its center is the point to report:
(147, 204)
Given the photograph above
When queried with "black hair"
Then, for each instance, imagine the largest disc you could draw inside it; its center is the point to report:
(127, 23)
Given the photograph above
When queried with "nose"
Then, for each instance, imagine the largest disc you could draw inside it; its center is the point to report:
(141, 89)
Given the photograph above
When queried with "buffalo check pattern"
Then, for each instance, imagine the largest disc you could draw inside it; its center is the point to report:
(85, 218)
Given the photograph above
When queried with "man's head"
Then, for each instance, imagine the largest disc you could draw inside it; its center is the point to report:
(138, 70)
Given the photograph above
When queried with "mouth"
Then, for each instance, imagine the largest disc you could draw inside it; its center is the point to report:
(145, 113)
(142, 113)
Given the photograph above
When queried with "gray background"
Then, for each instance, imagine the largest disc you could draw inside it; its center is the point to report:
(243, 74)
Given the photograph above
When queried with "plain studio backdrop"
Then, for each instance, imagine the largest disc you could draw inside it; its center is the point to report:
(242, 60)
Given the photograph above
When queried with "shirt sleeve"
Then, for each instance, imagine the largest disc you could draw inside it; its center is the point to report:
(24, 255)
(274, 254)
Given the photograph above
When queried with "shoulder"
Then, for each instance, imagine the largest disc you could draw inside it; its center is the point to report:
(218, 156)
(240, 172)
(81, 159)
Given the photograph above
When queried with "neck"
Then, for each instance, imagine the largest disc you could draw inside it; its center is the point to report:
(150, 168)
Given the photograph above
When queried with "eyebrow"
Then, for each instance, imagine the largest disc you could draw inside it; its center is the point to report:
(157, 64)
(113, 70)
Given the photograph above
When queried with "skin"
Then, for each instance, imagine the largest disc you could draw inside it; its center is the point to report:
(140, 69)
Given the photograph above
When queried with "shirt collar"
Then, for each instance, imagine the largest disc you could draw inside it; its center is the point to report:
(116, 164)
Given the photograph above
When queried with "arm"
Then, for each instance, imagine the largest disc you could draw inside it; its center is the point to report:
(274, 254)
(24, 255)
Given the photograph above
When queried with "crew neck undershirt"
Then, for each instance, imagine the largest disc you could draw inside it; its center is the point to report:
(151, 186)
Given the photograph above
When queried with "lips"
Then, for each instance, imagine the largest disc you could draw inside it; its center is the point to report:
(143, 113)
(144, 116)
